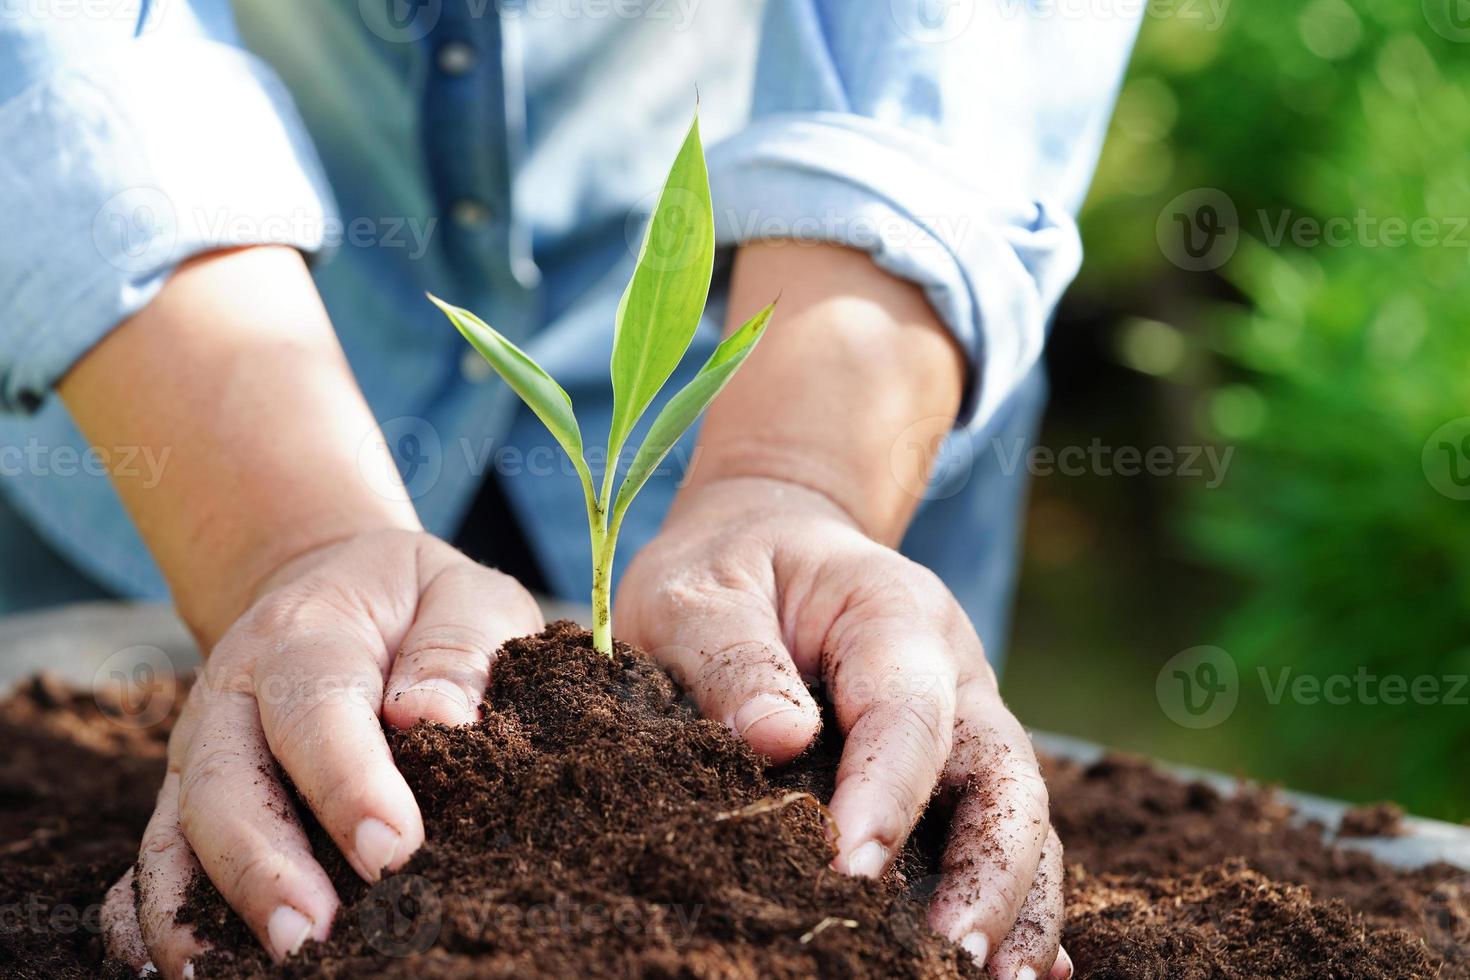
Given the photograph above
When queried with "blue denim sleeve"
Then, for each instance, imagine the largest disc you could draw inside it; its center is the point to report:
(952, 141)
(136, 134)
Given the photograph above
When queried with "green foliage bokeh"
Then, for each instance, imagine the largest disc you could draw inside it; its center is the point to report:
(1328, 364)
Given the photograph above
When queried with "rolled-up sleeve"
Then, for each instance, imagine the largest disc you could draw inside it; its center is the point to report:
(952, 141)
(135, 135)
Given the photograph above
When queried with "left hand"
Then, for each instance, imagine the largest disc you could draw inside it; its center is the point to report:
(755, 582)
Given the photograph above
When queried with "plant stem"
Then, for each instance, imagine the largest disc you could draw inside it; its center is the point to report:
(602, 555)
(604, 541)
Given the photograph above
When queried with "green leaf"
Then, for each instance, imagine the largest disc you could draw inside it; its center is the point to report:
(540, 392)
(681, 411)
(660, 309)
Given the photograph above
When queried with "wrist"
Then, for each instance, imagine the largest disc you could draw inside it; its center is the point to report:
(740, 498)
(849, 393)
(213, 604)
(234, 374)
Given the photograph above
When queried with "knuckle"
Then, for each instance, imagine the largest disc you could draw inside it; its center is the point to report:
(160, 843)
(249, 873)
(919, 721)
(453, 641)
(337, 797)
(904, 797)
(891, 585)
(677, 595)
(296, 716)
(506, 591)
(739, 670)
(277, 615)
(1032, 786)
(204, 772)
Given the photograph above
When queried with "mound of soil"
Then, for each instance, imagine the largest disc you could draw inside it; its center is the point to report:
(592, 825)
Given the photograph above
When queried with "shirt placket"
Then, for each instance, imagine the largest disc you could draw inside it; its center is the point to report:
(474, 130)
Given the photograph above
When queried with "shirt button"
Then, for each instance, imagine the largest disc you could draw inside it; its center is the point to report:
(468, 212)
(457, 58)
(474, 368)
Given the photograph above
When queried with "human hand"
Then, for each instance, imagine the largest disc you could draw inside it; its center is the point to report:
(755, 582)
(394, 625)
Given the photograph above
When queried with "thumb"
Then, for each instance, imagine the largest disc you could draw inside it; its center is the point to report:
(723, 645)
(464, 615)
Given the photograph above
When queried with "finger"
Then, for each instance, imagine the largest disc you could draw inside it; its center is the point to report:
(893, 688)
(1030, 949)
(319, 705)
(122, 937)
(724, 646)
(165, 868)
(243, 828)
(1062, 969)
(465, 614)
(999, 827)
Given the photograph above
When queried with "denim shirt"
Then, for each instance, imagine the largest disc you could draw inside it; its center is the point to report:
(505, 156)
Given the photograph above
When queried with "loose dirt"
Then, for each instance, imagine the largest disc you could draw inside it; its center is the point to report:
(592, 825)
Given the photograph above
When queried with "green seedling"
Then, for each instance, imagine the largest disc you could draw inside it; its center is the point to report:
(655, 323)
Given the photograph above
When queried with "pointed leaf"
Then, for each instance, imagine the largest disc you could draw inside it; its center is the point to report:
(540, 392)
(686, 406)
(660, 309)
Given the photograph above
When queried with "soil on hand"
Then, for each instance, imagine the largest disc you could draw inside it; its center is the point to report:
(592, 825)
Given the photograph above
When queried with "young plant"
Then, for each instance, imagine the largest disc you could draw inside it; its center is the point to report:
(655, 323)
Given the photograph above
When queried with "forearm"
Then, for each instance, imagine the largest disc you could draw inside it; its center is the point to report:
(849, 391)
(234, 371)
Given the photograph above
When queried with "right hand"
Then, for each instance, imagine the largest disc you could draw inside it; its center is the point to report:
(391, 624)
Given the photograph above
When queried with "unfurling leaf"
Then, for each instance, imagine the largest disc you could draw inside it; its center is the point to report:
(682, 410)
(661, 307)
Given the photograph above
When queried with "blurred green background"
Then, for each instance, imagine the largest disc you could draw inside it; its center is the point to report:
(1327, 364)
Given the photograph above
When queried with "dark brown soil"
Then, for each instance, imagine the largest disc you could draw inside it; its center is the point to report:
(1372, 820)
(590, 825)
(1171, 879)
(75, 792)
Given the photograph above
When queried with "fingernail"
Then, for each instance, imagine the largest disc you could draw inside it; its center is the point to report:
(868, 860)
(440, 688)
(1063, 969)
(1026, 973)
(977, 945)
(149, 970)
(758, 709)
(377, 846)
(188, 972)
(287, 930)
